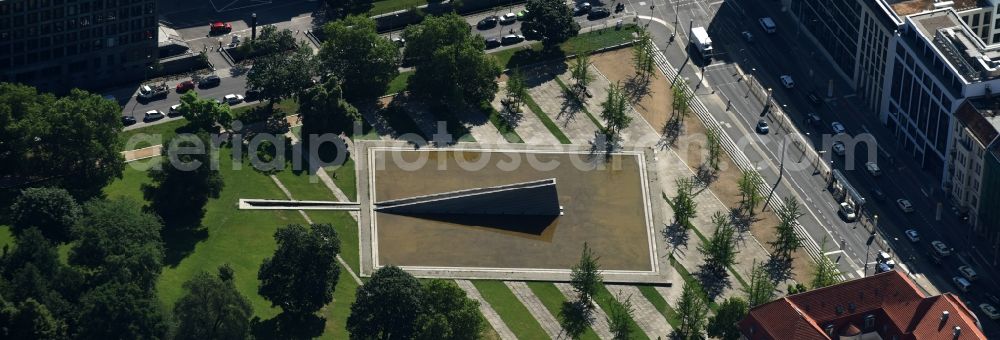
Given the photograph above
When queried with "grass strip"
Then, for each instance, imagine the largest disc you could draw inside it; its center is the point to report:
(604, 298)
(654, 297)
(579, 102)
(691, 280)
(336, 312)
(544, 117)
(398, 84)
(502, 125)
(586, 42)
(511, 311)
(553, 300)
(389, 6)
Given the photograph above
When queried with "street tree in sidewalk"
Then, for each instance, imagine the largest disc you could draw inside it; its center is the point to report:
(585, 276)
(517, 90)
(720, 250)
(180, 189)
(619, 316)
(642, 56)
(615, 114)
(714, 145)
(212, 308)
(359, 57)
(682, 100)
(302, 274)
(787, 241)
(580, 72)
(762, 289)
(387, 306)
(723, 324)
(282, 75)
(683, 204)
(749, 196)
(692, 313)
(553, 20)
(825, 274)
(52, 210)
(205, 113)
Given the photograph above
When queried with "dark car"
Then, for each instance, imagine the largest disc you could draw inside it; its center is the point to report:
(598, 13)
(128, 120)
(210, 81)
(488, 22)
(493, 43)
(511, 39)
(762, 127)
(581, 9)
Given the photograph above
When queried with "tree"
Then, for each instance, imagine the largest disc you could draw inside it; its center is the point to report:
(52, 210)
(281, 75)
(642, 55)
(787, 241)
(683, 204)
(749, 196)
(580, 72)
(71, 142)
(681, 102)
(585, 276)
(212, 308)
(714, 145)
(825, 274)
(120, 310)
(338, 7)
(270, 41)
(324, 110)
(302, 274)
(692, 312)
(553, 20)
(614, 111)
(387, 306)
(117, 241)
(761, 289)
(450, 69)
(723, 324)
(363, 60)
(448, 313)
(575, 316)
(720, 250)
(619, 314)
(29, 320)
(205, 113)
(180, 190)
(517, 90)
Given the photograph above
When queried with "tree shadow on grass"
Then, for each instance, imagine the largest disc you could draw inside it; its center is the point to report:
(677, 236)
(780, 269)
(714, 280)
(530, 57)
(179, 243)
(286, 326)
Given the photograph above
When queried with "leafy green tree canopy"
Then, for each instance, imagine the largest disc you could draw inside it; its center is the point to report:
(120, 310)
(387, 306)
(356, 54)
(52, 210)
(553, 20)
(723, 324)
(282, 75)
(117, 241)
(448, 313)
(204, 113)
(324, 110)
(302, 274)
(451, 66)
(181, 188)
(212, 308)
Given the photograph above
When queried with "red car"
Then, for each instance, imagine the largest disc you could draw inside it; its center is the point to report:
(220, 27)
(185, 86)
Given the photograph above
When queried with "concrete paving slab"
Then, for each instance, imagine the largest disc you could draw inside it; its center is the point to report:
(573, 122)
(536, 308)
(488, 312)
(644, 313)
(527, 124)
(600, 325)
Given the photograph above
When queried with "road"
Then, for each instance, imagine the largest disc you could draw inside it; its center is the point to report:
(786, 52)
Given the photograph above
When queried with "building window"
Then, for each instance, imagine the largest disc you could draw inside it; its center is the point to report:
(869, 322)
(975, 20)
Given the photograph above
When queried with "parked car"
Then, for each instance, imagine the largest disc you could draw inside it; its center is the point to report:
(961, 283)
(209, 81)
(185, 86)
(511, 39)
(581, 9)
(152, 115)
(847, 212)
(940, 248)
(128, 120)
(493, 43)
(787, 81)
(968, 272)
(399, 41)
(220, 27)
(767, 24)
(488, 22)
(905, 205)
(508, 19)
(989, 310)
(838, 128)
(762, 127)
(813, 119)
(233, 99)
(873, 169)
(175, 110)
(598, 13)
(912, 234)
(747, 36)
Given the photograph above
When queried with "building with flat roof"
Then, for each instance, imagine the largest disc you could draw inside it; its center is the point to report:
(882, 306)
(975, 165)
(56, 45)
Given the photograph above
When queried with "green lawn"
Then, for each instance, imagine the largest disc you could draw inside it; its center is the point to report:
(345, 178)
(654, 297)
(336, 312)
(582, 107)
(544, 117)
(553, 299)
(398, 84)
(153, 134)
(510, 309)
(693, 281)
(590, 41)
(134, 176)
(388, 6)
(502, 125)
(603, 299)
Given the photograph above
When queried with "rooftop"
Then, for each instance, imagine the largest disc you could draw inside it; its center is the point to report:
(898, 307)
(981, 115)
(907, 7)
(961, 48)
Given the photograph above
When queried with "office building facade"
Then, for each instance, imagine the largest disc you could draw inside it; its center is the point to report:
(57, 45)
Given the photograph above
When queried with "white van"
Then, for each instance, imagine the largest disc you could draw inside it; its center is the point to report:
(767, 24)
(961, 283)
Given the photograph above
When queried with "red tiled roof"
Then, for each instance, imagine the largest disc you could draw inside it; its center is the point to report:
(891, 298)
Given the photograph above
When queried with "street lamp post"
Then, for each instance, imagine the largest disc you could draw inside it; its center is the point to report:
(750, 82)
(781, 173)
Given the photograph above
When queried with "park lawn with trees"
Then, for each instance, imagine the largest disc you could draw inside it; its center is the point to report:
(553, 299)
(510, 309)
